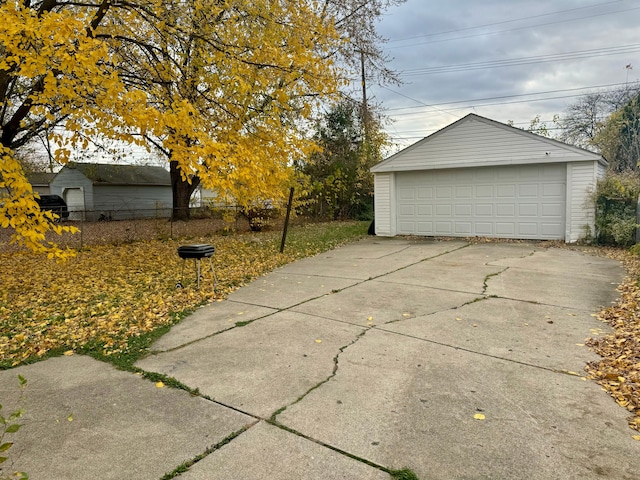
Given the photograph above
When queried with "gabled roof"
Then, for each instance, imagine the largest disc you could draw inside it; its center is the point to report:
(41, 178)
(475, 141)
(111, 174)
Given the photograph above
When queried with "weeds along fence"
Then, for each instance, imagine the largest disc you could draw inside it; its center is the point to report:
(122, 227)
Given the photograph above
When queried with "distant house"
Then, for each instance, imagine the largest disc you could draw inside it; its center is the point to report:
(206, 198)
(95, 191)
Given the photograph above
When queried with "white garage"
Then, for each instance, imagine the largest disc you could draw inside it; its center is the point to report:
(478, 177)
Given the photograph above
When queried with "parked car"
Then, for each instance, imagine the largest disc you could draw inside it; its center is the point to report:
(55, 204)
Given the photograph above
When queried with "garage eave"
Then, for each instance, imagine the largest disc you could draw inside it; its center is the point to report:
(388, 168)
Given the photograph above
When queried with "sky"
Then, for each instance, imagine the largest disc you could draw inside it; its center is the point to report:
(508, 60)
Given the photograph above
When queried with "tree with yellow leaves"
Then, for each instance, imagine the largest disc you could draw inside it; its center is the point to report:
(222, 87)
(236, 82)
(53, 70)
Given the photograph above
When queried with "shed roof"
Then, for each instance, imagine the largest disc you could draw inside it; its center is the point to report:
(41, 178)
(112, 174)
(475, 141)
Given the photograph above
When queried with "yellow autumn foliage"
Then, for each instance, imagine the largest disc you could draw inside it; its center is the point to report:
(224, 88)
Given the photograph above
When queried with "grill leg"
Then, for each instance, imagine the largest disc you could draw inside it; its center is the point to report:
(179, 284)
(215, 278)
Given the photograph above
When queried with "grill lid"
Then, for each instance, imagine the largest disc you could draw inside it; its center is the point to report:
(196, 251)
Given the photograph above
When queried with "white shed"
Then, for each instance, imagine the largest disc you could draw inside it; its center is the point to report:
(95, 191)
(479, 177)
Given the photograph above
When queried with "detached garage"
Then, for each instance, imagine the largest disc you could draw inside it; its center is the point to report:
(479, 177)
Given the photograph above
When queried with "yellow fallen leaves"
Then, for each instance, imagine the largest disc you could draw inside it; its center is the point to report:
(108, 295)
(479, 416)
(619, 370)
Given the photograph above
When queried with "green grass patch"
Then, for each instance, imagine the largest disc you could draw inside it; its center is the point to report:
(404, 474)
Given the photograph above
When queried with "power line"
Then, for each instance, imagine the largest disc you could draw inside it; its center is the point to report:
(502, 22)
(552, 57)
(513, 29)
(492, 104)
(423, 104)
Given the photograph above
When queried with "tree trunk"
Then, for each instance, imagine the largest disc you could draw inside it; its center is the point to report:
(181, 190)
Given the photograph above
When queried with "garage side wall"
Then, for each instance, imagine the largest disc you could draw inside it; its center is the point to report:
(581, 183)
(384, 208)
(121, 202)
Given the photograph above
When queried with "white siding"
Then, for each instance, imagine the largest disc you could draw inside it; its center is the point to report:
(69, 178)
(42, 189)
(384, 208)
(581, 183)
(129, 201)
(475, 142)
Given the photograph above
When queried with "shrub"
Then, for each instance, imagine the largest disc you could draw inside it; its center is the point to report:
(616, 200)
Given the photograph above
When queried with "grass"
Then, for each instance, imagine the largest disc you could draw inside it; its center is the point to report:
(404, 474)
(113, 301)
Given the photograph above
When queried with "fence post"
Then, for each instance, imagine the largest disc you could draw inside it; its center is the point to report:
(638, 220)
(286, 220)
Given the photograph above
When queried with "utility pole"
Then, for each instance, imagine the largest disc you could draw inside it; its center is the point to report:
(365, 107)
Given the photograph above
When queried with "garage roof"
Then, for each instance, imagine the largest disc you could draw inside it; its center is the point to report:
(475, 141)
(112, 174)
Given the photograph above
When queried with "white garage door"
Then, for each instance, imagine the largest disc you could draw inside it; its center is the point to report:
(524, 201)
(75, 203)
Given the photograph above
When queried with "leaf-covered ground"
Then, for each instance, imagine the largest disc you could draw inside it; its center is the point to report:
(619, 370)
(110, 294)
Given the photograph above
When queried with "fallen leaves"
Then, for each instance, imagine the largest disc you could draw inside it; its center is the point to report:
(619, 370)
(109, 295)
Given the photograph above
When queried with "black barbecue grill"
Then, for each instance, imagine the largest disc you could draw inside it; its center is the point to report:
(197, 252)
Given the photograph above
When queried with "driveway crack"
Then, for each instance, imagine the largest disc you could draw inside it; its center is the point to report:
(485, 284)
(336, 359)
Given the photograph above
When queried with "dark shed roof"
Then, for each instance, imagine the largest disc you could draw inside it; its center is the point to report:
(111, 174)
(40, 178)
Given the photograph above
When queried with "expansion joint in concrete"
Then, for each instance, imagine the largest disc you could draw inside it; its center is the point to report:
(474, 352)
(392, 473)
(185, 466)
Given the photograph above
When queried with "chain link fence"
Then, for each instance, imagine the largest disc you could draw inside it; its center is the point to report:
(121, 227)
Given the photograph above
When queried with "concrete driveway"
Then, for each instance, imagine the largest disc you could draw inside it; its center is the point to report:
(456, 361)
